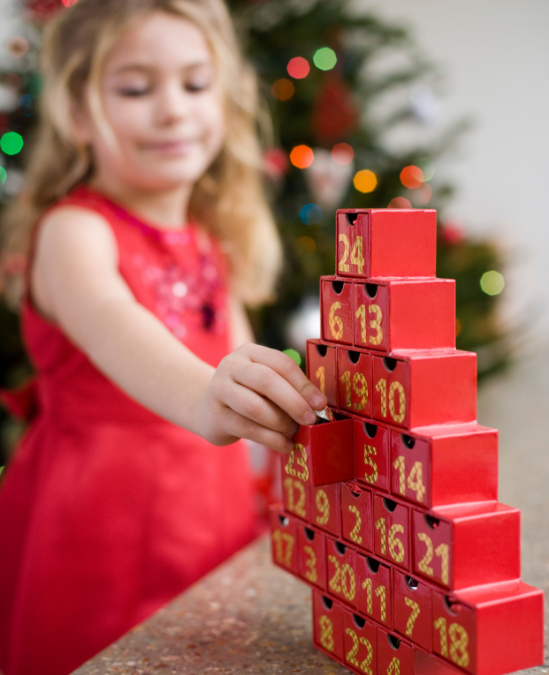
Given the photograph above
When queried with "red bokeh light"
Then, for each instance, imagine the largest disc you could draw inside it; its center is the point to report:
(298, 68)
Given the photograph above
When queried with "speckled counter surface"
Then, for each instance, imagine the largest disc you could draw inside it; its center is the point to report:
(248, 617)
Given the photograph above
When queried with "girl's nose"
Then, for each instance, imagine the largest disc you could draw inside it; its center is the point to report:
(172, 104)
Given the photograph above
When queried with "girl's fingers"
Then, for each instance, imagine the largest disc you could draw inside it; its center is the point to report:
(290, 371)
(275, 388)
(243, 427)
(247, 403)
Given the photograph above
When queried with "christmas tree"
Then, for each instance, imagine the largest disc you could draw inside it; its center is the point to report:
(340, 85)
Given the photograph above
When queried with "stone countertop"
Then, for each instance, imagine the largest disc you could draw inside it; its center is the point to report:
(247, 616)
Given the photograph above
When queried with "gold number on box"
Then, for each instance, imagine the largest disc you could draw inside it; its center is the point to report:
(375, 324)
(381, 593)
(323, 505)
(295, 507)
(336, 324)
(380, 525)
(458, 642)
(326, 633)
(310, 563)
(415, 478)
(321, 377)
(362, 391)
(355, 532)
(361, 316)
(301, 463)
(343, 267)
(396, 547)
(343, 580)
(370, 451)
(394, 667)
(351, 657)
(394, 388)
(381, 386)
(357, 257)
(283, 554)
(423, 564)
(443, 552)
(346, 379)
(413, 616)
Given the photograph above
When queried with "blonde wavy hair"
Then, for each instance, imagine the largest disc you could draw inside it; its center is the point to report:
(228, 199)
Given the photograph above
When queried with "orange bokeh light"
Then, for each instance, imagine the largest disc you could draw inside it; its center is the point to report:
(282, 89)
(342, 153)
(298, 67)
(400, 203)
(458, 326)
(411, 177)
(302, 156)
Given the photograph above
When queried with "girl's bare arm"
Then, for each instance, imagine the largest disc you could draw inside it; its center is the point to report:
(255, 393)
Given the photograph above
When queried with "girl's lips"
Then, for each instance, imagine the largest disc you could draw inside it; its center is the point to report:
(173, 148)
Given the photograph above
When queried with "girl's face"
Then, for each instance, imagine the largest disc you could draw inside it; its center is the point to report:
(163, 103)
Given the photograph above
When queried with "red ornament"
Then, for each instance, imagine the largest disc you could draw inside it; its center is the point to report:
(42, 10)
(451, 233)
(335, 113)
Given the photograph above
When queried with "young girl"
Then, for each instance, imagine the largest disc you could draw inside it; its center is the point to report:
(146, 230)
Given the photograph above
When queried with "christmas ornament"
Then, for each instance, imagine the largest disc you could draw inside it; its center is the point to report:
(335, 113)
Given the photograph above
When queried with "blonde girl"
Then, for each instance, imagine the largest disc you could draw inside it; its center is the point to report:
(146, 231)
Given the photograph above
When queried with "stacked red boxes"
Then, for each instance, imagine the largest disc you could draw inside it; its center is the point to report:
(391, 512)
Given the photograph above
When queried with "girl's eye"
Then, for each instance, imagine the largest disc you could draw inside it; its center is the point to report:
(197, 85)
(133, 92)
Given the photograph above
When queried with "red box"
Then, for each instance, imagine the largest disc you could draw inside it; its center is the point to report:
(327, 625)
(412, 609)
(322, 369)
(394, 656)
(296, 496)
(418, 389)
(311, 556)
(360, 641)
(405, 314)
(357, 516)
(374, 590)
(354, 375)
(325, 508)
(392, 531)
(340, 568)
(283, 539)
(386, 242)
(427, 664)
(372, 454)
(467, 545)
(336, 310)
(438, 466)
(490, 630)
(323, 453)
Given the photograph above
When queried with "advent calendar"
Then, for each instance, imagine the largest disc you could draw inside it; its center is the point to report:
(391, 510)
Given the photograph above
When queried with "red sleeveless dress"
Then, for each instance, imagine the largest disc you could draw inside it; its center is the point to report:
(108, 511)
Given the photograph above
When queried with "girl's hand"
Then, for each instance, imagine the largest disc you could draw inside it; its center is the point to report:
(260, 394)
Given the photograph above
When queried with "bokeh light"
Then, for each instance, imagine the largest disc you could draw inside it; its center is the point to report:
(411, 177)
(365, 181)
(423, 194)
(427, 167)
(302, 156)
(305, 245)
(311, 214)
(325, 58)
(282, 89)
(342, 153)
(3, 175)
(399, 203)
(458, 326)
(492, 282)
(298, 67)
(69, 3)
(293, 355)
(17, 47)
(11, 143)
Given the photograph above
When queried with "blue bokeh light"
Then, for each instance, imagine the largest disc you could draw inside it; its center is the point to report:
(311, 214)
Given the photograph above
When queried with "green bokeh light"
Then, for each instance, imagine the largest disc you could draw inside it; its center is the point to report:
(293, 355)
(325, 58)
(492, 283)
(427, 166)
(11, 143)
(3, 175)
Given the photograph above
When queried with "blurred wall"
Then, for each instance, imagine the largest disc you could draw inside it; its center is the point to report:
(495, 56)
